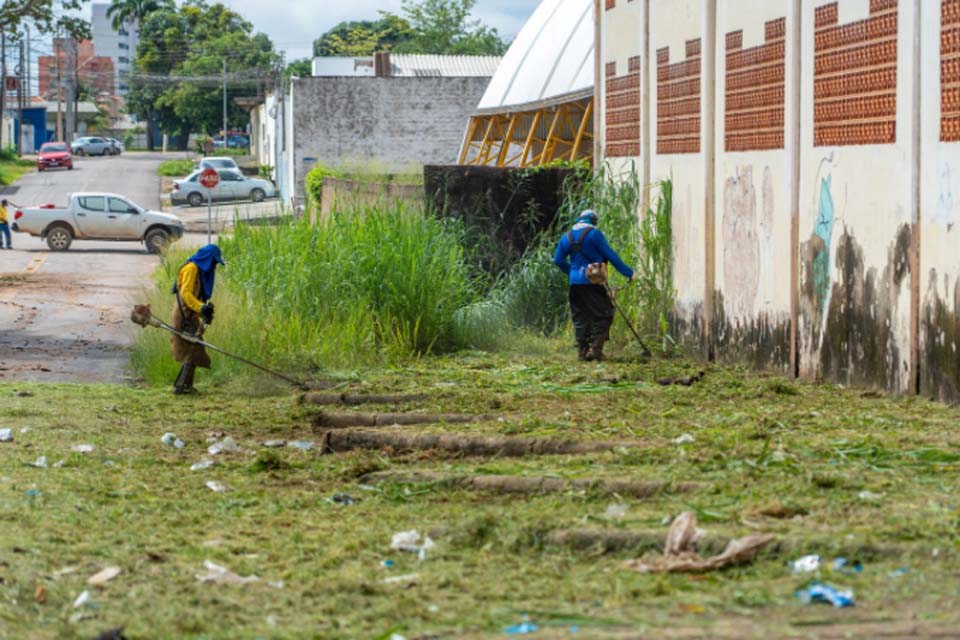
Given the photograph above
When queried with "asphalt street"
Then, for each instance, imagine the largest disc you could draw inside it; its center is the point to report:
(64, 316)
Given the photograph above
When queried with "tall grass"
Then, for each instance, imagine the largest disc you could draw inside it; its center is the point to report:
(364, 287)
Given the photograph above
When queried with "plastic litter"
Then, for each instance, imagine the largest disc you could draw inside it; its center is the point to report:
(33, 493)
(522, 628)
(6, 435)
(39, 463)
(216, 487)
(81, 600)
(806, 564)
(870, 496)
(902, 571)
(342, 498)
(221, 575)
(684, 439)
(397, 636)
(82, 448)
(273, 444)
(410, 541)
(59, 463)
(386, 564)
(616, 511)
(818, 592)
(203, 464)
(227, 445)
(104, 576)
(845, 566)
(303, 445)
(171, 440)
(409, 578)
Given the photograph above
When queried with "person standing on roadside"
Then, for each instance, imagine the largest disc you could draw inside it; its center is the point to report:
(192, 312)
(4, 225)
(583, 254)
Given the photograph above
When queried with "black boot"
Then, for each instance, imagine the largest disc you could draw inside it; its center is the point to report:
(583, 351)
(184, 381)
(596, 350)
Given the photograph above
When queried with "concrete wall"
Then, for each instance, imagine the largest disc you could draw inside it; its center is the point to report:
(814, 147)
(387, 125)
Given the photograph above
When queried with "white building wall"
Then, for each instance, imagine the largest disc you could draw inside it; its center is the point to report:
(120, 47)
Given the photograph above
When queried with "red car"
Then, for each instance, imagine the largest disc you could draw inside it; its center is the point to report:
(54, 155)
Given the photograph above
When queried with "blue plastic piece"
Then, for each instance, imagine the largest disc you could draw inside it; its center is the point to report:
(817, 592)
(522, 628)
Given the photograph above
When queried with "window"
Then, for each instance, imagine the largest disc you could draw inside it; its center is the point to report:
(92, 203)
(121, 206)
(231, 176)
(124, 88)
(123, 60)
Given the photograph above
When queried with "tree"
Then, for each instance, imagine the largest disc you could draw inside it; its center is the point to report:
(301, 68)
(363, 37)
(445, 27)
(123, 11)
(46, 16)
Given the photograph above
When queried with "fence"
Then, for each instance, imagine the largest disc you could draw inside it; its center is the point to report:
(814, 150)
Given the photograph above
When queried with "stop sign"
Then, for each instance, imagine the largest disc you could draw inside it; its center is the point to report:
(209, 178)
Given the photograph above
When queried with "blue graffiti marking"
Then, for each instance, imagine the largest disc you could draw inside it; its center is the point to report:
(824, 230)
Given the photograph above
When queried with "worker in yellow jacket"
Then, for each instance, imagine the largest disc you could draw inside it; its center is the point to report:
(192, 312)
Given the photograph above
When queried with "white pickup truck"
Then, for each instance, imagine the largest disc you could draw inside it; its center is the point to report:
(98, 216)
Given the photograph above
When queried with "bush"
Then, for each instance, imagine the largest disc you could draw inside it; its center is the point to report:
(176, 168)
(313, 184)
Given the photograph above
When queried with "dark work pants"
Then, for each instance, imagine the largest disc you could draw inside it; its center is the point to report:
(592, 313)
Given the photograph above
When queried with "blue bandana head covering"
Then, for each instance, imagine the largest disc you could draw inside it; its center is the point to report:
(589, 217)
(206, 258)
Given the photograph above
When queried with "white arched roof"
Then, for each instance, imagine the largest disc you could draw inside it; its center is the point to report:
(551, 60)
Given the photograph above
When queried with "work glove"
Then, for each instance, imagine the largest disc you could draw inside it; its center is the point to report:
(206, 312)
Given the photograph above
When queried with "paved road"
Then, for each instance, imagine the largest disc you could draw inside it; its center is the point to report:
(64, 316)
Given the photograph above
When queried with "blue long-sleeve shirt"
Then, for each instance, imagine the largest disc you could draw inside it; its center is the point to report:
(594, 249)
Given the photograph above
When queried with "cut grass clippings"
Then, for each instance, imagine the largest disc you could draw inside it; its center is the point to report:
(824, 470)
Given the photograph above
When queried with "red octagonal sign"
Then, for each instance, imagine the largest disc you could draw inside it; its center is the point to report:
(209, 178)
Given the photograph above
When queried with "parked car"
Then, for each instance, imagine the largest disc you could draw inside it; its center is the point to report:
(54, 155)
(91, 146)
(233, 186)
(98, 216)
(116, 145)
(233, 142)
(218, 162)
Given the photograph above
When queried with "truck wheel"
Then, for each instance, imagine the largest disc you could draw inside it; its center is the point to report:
(156, 240)
(195, 199)
(59, 238)
(257, 195)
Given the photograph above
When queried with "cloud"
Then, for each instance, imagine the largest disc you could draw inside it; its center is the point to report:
(293, 25)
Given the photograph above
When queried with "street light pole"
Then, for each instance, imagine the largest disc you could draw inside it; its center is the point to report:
(224, 103)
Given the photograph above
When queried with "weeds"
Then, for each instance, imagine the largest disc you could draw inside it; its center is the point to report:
(175, 168)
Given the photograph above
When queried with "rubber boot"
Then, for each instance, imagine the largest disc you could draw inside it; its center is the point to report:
(583, 351)
(184, 382)
(596, 350)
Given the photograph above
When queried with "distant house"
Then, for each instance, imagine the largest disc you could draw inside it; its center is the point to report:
(386, 113)
(95, 72)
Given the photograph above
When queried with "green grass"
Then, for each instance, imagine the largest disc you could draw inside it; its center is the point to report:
(12, 169)
(134, 503)
(176, 168)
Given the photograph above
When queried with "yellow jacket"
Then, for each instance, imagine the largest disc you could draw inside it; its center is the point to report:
(188, 284)
(4, 219)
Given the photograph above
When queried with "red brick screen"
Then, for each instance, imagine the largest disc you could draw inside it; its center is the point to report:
(855, 77)
(755, 91)
(623, 110)
(950, 71)
(611, 4)
(678, 101)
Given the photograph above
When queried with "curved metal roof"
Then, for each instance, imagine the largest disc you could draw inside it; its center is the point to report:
(550, 61)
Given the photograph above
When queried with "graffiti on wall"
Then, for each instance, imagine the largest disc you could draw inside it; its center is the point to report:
(623, 110)
(950, 71)
(855, 77)
(678, 101)
(754, 101)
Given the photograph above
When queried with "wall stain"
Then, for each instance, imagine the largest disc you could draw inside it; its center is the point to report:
(741, 246)
(940, 329)
(859, 343)
(763, 341)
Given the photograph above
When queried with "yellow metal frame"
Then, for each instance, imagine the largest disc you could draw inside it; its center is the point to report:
(490, 139)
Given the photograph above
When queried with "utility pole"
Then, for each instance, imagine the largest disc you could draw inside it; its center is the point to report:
(71, 114)
(3, 81)
(224, 102)
(58, 52)
(20, 103)
(29, 71)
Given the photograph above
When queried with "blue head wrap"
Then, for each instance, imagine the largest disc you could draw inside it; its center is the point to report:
(588, 217)
(206, 258)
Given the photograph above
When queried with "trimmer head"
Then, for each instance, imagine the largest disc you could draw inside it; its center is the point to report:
(141, 315)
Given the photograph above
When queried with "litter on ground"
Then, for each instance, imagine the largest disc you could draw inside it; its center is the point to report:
(217, 574)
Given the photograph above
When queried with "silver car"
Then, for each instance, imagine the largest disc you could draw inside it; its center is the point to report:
(91, 146)
(233, 186)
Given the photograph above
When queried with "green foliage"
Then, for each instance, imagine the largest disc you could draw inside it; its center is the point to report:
(654, 279)
(45, 16)
(121, 12)
(445, 27)
(175, 168)
(314, 185)
(193, 40)
(301, 68)
(265, 171)
(202, 142)
(12, 166)
(424, 26)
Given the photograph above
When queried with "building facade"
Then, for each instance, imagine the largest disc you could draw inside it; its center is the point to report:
(119, 46)
(94, 72)
(813, 147)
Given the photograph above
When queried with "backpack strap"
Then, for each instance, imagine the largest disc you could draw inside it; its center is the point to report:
(576, 244)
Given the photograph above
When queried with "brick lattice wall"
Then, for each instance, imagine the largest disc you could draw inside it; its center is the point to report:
(610, 4)
(623, 110)
(855, 77)
(678, 101)
(754, 100)
(950, 71)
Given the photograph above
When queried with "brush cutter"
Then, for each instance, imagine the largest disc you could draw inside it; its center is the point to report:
(143, 316)
(613, 298)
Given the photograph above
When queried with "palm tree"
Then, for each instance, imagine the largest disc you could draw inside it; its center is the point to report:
(124, 11)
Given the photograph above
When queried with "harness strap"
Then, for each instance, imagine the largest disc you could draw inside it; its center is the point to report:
(576, 244)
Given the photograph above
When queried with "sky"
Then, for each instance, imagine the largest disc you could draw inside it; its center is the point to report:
(293, 25)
